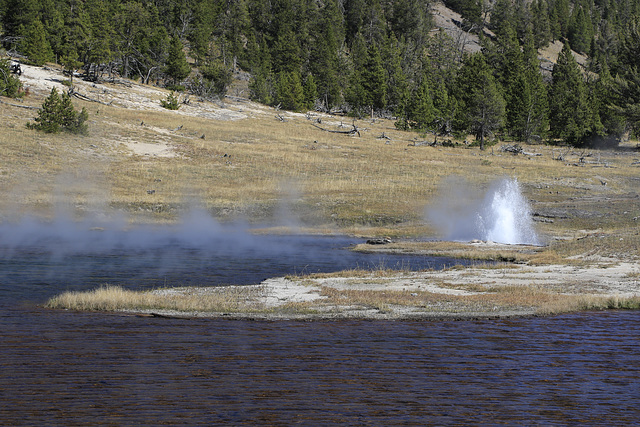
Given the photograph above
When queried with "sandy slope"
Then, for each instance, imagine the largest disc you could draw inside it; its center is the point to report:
(131, 95)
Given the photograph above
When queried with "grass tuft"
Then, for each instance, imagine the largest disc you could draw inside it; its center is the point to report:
(116, 298)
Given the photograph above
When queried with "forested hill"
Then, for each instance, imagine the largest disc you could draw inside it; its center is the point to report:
(364, 57)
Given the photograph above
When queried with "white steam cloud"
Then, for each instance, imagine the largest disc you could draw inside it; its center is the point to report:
(503, 215)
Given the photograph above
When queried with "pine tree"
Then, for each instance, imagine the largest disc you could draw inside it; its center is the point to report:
(19, 15)
(310, 91)
(101, 41)
(57, 113)
(10, 85)
(537, 109)
(324, 60)
(142, 41)
(234, 23)
(540, 24)
(502, 17)
(286, 55)
(261, 86)
(396, 82)
(580, 31)
(483, 108)
(35, 45)
(421, 111)
(289, 91)
(516, 87)
(369, 86)
(625, 88)
(177, 66)
(568, 112)
(171, 102)
(559, 17)
(444, 107)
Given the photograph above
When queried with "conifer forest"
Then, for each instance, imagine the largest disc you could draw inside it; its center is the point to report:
(362, 58)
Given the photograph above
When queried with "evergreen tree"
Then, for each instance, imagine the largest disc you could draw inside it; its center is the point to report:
(537, 107)
(580, 31)
(471, 11)
(444, 58)
(396, 82)
(502, 17)
(324, 61)
(10, 85)
(286, 54)
(19, 15)
(170, 102)
(559, 17)
(310, 91)
(568, 112)
(522, 17)
(354, 18)
(233, 22)
(595, 129)
(421, 114)
(625, 88)
(444, 108)
(483, 108)
(262, 82)
(214, 80)
(374, 26)
(410, 20)
(101, 42)
(35, 45)
(289, 91)
(373, 81)
(177, 67)
(57, 113)
(516, 88)
(142, 42)
(540, 24)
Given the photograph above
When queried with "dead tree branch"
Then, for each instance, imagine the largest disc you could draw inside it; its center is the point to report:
(353, 131)
(78, 95)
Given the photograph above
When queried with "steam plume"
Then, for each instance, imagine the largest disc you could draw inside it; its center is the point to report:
(503, 215)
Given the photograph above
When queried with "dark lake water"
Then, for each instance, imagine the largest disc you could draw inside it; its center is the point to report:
(62, 368)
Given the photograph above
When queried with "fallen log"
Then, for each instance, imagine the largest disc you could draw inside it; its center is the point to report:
(516, 149)
(352, 131)
(78, 95)
(422, 143)
(19, 106)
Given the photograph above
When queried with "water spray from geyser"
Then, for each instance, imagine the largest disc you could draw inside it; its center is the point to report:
(502, 216)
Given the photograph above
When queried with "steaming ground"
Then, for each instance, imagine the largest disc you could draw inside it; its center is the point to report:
(503, 215)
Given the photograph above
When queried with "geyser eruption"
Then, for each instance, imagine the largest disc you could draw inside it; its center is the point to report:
(502, 216)
(505, 215)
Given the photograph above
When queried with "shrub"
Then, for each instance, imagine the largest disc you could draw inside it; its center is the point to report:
(9, 85)
(171, 103)
(57, 114)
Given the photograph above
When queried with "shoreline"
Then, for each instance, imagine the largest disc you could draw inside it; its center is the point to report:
(487, 292)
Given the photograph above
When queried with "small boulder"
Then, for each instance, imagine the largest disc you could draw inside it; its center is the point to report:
(379, 241)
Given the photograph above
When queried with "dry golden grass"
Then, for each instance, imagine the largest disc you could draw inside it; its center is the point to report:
(113, 298)
(246, 300)
(491, 300)
(253, 167)
(188, 301)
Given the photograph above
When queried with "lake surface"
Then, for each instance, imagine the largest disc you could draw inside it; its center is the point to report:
(62, 368)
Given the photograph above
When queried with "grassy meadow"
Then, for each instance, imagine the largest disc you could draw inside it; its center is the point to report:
(267, 171)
